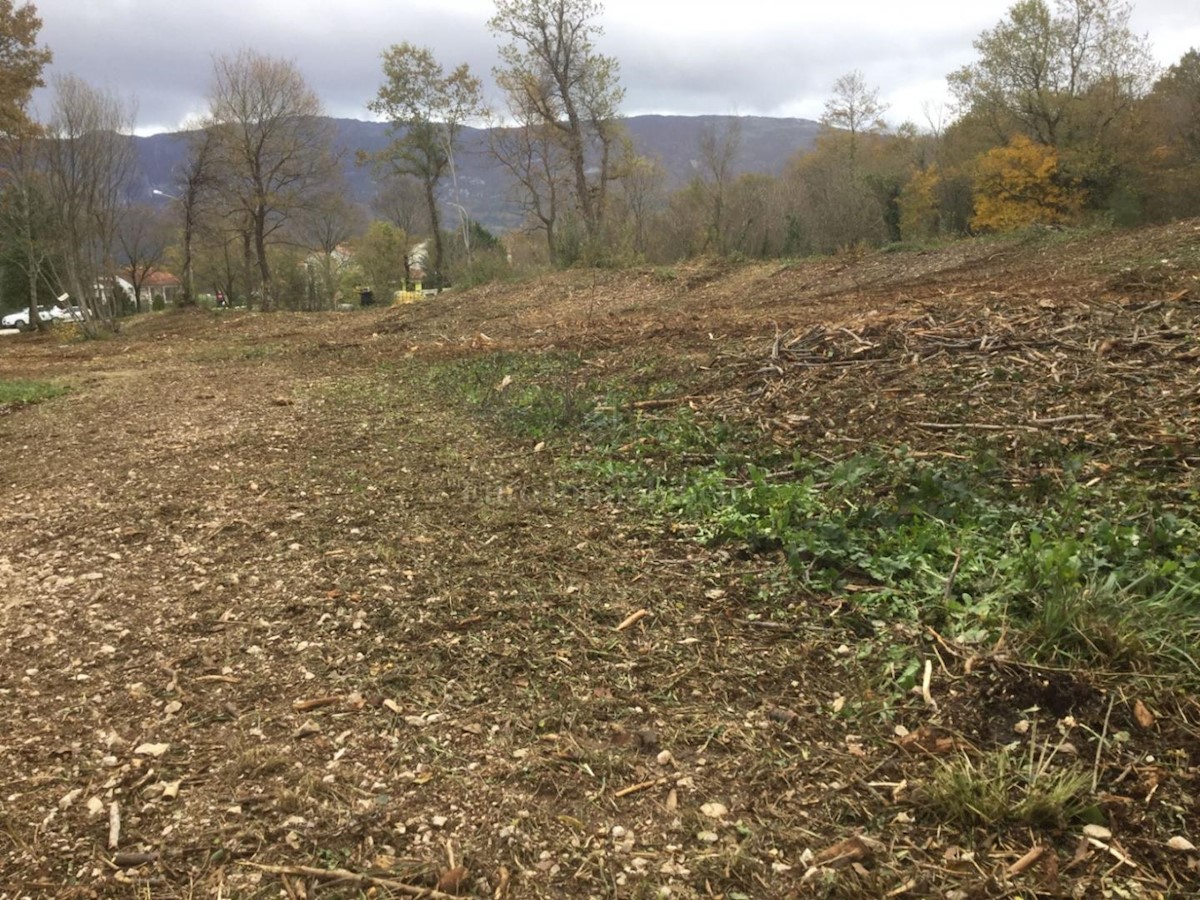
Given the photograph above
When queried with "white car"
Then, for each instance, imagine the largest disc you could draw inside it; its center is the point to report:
(53, 314)
(21, 319)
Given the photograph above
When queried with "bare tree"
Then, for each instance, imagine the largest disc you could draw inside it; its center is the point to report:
(272, 150)
(532, 154)
(26, 219)
(855, 108)
(325, 225)
(88, 160)
(399, 199)
(640, 196)
(719, 148)
(552, 65)
(196, 183)
(142, 236)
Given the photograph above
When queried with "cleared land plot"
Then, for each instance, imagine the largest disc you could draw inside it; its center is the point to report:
(728, 582)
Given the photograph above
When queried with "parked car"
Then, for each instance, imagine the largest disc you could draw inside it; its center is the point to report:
(21, 319)
(53, 314)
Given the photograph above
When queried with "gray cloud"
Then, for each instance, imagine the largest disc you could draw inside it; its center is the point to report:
(756, 57)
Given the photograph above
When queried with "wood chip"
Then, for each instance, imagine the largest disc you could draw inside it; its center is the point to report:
(114, 825)
(1142, 715)
(632, 619)
(843, 853)
(1027, 860)
(308, 729)
(315, 703)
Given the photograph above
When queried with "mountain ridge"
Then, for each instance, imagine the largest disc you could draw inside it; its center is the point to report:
(765, 146)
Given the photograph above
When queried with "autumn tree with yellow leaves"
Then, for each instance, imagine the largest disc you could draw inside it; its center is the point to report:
(1021, 185)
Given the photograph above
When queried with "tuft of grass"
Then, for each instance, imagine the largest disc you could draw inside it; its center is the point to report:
(1110, 625)
(1002, 787)
(19, 392)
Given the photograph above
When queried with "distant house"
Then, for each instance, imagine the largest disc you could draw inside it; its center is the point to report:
(158, 289)
(156, 285)
(417, 264)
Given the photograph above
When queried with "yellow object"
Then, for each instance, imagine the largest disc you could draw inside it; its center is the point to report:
(399, 298)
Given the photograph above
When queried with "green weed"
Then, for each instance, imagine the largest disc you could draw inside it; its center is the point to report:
(18, 392)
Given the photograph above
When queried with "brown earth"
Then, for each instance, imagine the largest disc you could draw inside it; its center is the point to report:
(285, 610)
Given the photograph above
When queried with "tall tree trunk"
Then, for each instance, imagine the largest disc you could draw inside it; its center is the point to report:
(248, 268)
(260, 250)
(189, 292)
(436, 225)
(30, 257)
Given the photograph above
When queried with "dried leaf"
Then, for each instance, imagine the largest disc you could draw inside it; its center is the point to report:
(151, 749)
(928, 739)
(1181, 844)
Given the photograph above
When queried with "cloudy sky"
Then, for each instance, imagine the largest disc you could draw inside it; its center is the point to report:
(689, 57)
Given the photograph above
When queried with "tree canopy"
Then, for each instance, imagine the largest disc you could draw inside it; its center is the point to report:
(553, 69)
(427, 108)
(21, 63)
(1060, 77)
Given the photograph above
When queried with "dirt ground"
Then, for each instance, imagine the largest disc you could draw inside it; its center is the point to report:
(278, 619)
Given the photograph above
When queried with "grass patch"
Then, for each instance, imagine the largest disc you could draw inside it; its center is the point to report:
(20, 392)
(1079, 569)
(532, 396)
